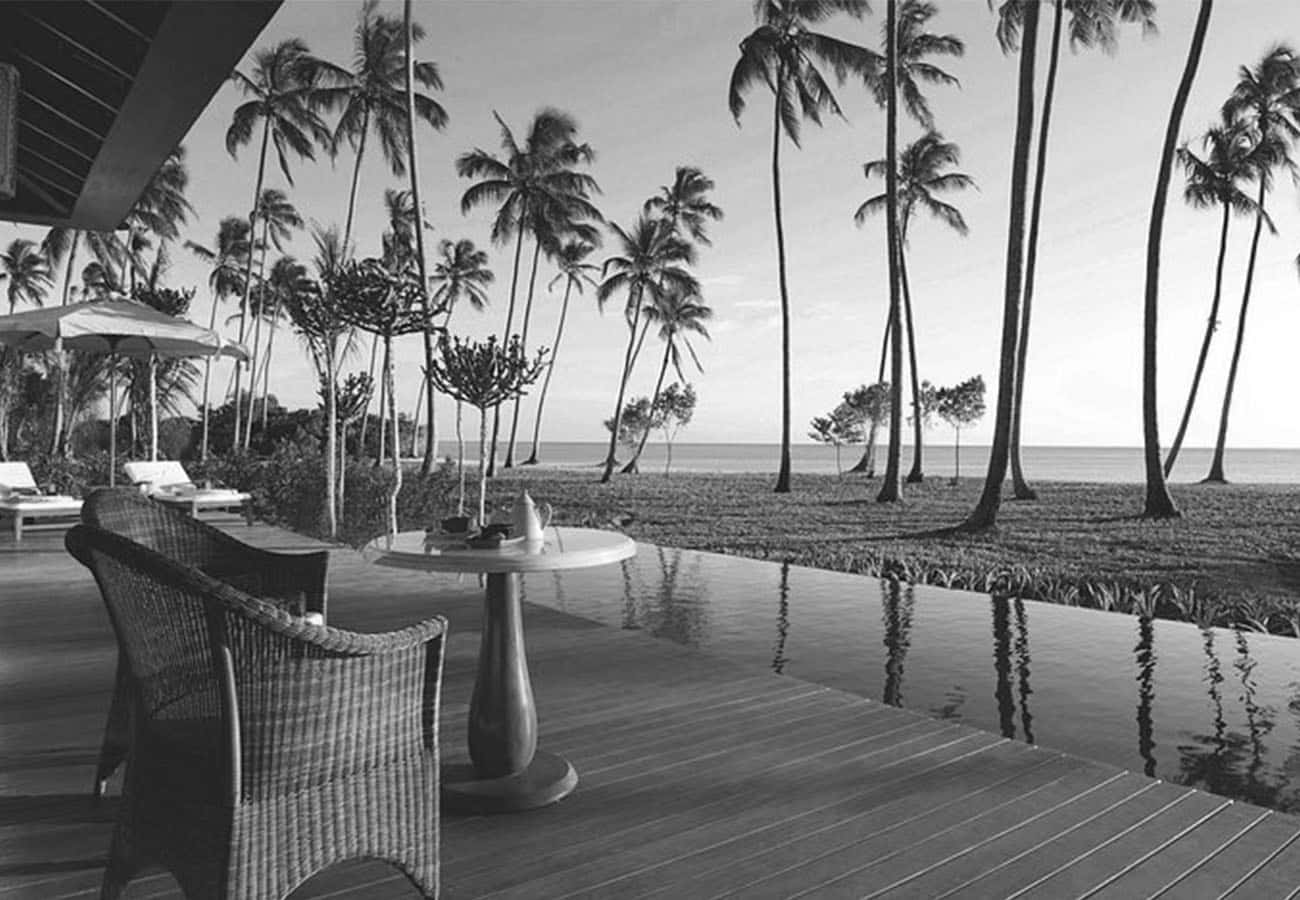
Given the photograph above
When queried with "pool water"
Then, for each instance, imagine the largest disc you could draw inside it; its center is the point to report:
(1212, 708)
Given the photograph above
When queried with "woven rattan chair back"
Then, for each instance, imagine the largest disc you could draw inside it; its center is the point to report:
(264, 747)
(294, 581)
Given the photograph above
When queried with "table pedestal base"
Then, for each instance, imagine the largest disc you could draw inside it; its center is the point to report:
(546, 779)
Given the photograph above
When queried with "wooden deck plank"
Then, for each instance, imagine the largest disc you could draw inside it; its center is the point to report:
(700, 777)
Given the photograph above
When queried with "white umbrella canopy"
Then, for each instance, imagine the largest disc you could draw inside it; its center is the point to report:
(119, 328)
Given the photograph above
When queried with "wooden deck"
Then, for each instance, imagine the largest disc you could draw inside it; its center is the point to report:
(699, 778)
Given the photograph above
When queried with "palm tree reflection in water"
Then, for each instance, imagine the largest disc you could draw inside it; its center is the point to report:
(899, 602)
(678, 608)
(1011, 664)
(782, 619)
(1146, 660)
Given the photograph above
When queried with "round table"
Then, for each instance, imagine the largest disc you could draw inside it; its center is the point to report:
(507, 772)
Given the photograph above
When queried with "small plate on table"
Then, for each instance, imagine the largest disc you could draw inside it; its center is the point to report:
(491, 542)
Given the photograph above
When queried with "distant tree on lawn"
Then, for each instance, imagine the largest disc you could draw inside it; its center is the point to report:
(960, 405)
(843, 425)
(871, 403)
(673, 411)
(634, 424)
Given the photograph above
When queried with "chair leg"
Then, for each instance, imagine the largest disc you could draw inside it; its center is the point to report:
(117, 731)
(120, 870)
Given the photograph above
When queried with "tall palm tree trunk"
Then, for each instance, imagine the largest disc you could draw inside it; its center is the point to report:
(1019, 486)
(460, 458)
(546, 383)
(356, 181)
(1210, 326)
(266, 363)
(396, 443)
(257, 343)
(58, 443)
(986, 510)
(1216, 475)
(523, 340)
(891, 490)
(415, 420)
(1159, 504)
(248, 272)
(365, 412)
(622, 389)
(918, 422)
(431, 434)
(783, 473)
(333, 480)
(207, 385)
(510, 319)
(867, 463)
(654, 398)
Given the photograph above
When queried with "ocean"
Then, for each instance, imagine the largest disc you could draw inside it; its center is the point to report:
(1097, 464)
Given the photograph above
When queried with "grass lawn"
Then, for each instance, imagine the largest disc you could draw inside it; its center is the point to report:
(1236, 548)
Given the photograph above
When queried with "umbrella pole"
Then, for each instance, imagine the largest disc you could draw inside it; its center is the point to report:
(112, 420)
(153, 408)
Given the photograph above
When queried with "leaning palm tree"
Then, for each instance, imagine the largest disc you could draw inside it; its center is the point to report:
(25, 274)
(371, 96)
(678, 316)
(1159, 504)
(684, 205)
(650, 264)
(1092, 23)
(462, 276)
(228, 262)
(783, 53)
(575, 271)
(1231, 158)
(288, 277)
(161, 210)
(920, 180)
(986, 510)
(1267, 99)
(280, 88)
(538, 190)
(279, 219)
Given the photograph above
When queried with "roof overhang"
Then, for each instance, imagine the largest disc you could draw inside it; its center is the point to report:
(107, 88)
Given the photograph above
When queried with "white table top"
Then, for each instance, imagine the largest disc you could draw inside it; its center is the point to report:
(561, 548)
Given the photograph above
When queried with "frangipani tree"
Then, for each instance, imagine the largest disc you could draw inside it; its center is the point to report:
(387, 304)
(484, 375)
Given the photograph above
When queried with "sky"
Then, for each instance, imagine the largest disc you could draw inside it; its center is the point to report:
(647, 81)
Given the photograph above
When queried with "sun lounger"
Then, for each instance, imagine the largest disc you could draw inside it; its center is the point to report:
(27, 506)
(167, 482)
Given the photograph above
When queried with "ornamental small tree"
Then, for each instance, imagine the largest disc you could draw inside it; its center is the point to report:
(484, 375)
(871, 403)
(959, 406)
(635, 423)
(387, 304)
(842, 426)
(673, 411)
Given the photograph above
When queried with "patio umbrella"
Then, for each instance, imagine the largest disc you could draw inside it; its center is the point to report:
(118, 328)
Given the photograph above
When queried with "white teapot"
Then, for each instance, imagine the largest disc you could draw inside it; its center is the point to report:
(529, 518)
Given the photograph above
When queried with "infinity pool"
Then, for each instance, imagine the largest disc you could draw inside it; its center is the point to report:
(1213, 708)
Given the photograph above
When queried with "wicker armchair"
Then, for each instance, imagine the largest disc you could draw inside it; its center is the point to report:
(265, 748)
(295, 581)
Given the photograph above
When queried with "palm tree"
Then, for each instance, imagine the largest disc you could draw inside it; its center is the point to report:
(161, 209)
(1092, 23)
(538, 189)
(281, 88)
(685, 206)
(461, 274)
(1231, 158)
(986, 510)
(288, 277)
(1159, 504)
(278, 219)
(1267, 100)
(783, 53)
(920, 180)
(228, 261)
(679, 316)
(371, 97)
(649, 266)
(574, 271)
(25, 274)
